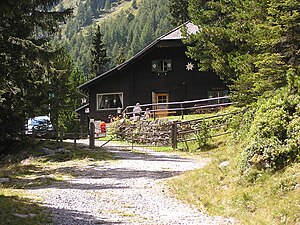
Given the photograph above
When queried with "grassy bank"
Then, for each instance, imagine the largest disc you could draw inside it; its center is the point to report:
(255, 198)
(17, 207)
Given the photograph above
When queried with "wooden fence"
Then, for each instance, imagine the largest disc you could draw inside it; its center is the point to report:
(148, 133)
(182, 108)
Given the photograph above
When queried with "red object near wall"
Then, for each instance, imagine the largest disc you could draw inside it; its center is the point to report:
(102, 127)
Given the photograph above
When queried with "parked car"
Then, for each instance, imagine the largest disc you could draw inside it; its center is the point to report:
(41, 125)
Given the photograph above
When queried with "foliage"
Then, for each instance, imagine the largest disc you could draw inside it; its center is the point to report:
(99, 54)
(250, 44)
(26, 27)
(203, 134)
(126, 29)
(248, 200)
(179, 11)
(270, 132)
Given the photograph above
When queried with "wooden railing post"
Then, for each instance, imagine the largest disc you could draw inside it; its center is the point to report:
(61, 136)
(33, 135)
(92, 135)
(182, 114)
(174, 134)
(75, 137)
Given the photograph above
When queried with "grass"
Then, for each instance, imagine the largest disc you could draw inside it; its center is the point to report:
(16, 206)
(17, 210)
(255, 198)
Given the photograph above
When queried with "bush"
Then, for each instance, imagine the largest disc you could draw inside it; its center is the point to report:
(203, 134)
(271, 133)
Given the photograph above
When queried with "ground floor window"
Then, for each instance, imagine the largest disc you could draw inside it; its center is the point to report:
(109, 101)
(218, 93)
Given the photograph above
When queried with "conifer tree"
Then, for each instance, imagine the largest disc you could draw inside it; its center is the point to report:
(179, 11)
(25, 26)
(98, 54)
(250, 44)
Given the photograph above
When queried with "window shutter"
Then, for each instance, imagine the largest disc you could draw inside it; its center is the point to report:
(154, 66)
(169, 65)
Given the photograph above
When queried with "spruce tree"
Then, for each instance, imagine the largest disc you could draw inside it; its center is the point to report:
(26, 27)
(98, 54)
(250, 44)
(179, 11)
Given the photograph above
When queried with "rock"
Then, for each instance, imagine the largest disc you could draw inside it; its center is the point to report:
(223, 164)
(46, 151)
(4, 179)
(59, 150)
(26, 161)
(7, 159)
(24, 215)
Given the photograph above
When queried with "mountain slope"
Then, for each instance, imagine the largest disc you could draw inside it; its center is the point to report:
(127, 27)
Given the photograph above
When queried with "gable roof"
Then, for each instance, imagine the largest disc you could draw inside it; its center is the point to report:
(174, 34)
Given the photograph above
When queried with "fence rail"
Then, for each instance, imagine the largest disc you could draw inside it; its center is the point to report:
(181, 108)
(148, 133)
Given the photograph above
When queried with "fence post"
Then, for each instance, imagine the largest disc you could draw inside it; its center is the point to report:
(92, 135)
(174, 134)
(75, 137)
(33, 135)
(61, 135)
(181, 106)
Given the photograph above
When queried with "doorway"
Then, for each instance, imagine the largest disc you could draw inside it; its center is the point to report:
(160, 99)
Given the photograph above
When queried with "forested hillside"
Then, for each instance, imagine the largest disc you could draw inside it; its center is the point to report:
(126, 26)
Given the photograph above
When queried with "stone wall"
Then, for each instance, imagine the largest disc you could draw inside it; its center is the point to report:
(146, 132)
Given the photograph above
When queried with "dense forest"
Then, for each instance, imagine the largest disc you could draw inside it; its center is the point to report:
(126, 27)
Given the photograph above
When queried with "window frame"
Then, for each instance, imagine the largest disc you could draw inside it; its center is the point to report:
(161, 65)
(110, 93)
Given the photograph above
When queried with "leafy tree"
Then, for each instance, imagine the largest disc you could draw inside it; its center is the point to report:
(25, 29)
(99, 54)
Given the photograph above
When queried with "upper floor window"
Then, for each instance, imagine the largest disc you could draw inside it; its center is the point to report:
(161, 65)
(109, 101)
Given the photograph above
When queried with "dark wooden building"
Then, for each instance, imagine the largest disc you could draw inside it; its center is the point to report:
(159, 73)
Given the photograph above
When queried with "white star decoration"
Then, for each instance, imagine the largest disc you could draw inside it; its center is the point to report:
(189, 66)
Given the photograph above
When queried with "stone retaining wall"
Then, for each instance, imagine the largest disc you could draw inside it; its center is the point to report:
(146, 132)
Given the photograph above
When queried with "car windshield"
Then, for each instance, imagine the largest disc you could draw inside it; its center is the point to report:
(38, 122)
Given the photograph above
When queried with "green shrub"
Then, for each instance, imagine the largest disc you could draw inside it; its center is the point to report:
(203, 134)
(271, 132)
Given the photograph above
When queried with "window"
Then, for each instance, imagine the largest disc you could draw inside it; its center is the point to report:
(161, 65)
(109, 101)
(218, 93)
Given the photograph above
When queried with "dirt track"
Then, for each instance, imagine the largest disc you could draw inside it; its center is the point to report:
(127, 191)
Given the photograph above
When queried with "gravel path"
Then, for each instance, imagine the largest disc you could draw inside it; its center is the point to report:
(127, 191)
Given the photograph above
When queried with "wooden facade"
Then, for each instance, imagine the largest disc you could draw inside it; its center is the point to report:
(161, 72)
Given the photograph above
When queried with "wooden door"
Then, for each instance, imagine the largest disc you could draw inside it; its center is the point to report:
(163, 108)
